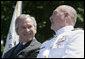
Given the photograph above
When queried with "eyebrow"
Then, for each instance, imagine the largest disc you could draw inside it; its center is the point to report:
(54, 11)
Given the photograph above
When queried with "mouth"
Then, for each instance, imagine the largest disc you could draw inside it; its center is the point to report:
(52, 22)
(27, 34)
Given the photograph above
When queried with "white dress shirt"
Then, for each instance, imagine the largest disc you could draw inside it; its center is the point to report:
(68, 43)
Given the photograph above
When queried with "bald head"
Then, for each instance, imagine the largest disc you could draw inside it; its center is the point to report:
(63, 15)
(72, 12)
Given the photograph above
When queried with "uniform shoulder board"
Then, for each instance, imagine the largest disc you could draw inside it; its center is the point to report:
(77, 29)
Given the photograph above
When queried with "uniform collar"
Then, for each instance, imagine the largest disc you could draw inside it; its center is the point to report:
(64, 29)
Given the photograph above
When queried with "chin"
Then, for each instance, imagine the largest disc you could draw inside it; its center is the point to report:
(26, 40)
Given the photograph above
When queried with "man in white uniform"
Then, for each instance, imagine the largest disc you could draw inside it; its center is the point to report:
(68, 42)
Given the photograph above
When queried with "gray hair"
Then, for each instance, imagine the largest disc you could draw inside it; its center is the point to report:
(71, 11)
(24, 17)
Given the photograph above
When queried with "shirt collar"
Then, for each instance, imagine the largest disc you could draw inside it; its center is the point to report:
(24, 43)
(64, 29)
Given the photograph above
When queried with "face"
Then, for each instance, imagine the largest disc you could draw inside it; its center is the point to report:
(57, 19)
(26, 30)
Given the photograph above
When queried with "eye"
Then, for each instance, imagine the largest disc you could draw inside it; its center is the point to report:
(29, 26)
(23, 27)
(55, 12)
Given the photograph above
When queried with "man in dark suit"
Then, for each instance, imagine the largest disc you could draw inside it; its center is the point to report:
(28, 47)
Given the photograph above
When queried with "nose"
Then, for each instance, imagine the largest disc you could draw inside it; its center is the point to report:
(51, 18)
(27, 30)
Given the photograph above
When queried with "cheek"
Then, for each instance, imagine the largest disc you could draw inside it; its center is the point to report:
(34, 32)
(20, 32)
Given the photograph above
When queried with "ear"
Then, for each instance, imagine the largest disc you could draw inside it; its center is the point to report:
(65, 18)
(66, 14)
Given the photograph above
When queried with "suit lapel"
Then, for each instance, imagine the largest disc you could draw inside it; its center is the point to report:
(10, 54)
(28, 46)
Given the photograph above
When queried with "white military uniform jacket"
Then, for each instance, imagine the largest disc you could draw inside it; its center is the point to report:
(68, 43)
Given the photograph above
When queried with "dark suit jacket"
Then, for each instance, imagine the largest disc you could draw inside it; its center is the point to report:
(30, 50)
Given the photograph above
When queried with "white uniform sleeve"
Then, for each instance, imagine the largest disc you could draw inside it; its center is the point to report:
(75, 47)
(40, 52)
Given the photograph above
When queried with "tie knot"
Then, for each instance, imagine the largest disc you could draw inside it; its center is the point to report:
(20, 45)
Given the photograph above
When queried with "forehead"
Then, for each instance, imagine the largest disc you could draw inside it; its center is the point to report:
(28, 20)
(58, 9)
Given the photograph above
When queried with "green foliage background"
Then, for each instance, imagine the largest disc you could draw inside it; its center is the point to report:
(41, 10)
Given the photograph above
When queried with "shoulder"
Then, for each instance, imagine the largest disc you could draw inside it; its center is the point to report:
(76, 35)
(45, 43)
(35, 43)
(9, 52)
(78, 31)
